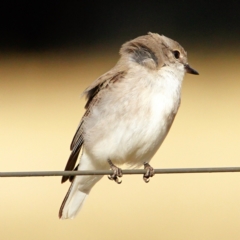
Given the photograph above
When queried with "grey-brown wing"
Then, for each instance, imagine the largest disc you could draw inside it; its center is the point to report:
(92, 98)
(76, 148)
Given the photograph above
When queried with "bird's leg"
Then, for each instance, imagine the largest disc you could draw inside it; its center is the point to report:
(149, 173)
(117, 172)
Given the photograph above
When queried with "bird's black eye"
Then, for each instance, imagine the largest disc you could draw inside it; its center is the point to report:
(176, 54)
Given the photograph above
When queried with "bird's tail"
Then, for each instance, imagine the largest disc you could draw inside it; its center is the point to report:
(77, 193)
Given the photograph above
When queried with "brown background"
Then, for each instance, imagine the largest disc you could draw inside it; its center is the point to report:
(40, 108)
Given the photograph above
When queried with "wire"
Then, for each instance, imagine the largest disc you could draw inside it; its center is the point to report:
(109, 172)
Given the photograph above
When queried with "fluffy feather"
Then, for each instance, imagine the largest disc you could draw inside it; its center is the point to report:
(129, 112)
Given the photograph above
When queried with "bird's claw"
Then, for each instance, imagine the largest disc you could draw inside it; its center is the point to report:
(115, 178)
(149, 173)
(117, 173)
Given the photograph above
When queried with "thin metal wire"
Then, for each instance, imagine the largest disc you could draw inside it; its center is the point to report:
(109, 172)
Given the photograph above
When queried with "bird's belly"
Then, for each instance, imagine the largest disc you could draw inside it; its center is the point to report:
(132, 137)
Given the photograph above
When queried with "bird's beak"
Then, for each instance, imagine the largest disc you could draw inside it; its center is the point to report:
(190, 70)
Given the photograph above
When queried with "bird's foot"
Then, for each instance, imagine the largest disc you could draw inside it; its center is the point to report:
(117, 172)
(149, 173)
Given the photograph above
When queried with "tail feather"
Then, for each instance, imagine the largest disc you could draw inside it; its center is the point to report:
(79, 188)
(76, 196)
(72, 203)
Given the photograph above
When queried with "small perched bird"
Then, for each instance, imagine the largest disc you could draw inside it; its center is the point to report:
(129, 112)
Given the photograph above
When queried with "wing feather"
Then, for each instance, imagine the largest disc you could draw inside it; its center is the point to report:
(92, 95)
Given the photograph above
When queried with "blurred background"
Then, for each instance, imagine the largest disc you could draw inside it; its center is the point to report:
(50, 52)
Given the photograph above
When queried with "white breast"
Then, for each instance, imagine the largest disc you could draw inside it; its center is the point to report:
(132, 118)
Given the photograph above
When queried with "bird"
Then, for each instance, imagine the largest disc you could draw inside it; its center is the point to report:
(128, 113)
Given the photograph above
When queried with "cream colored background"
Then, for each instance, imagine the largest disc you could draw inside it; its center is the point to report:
(40, 109)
